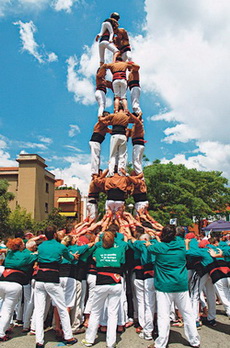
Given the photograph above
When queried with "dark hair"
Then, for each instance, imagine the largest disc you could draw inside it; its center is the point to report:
(168, 233)
(49, 232)
(115, 15)
(119, 59)
(19, 234)
(214, 240)
(140, 229)
(180, 232)
(69, 228)
(113, 228)
(147, 224)
(108, 239)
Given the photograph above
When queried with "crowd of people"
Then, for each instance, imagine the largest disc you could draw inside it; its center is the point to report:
(120, 270)
(113, 273)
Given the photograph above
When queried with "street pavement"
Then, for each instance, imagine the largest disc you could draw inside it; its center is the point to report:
(211, 337)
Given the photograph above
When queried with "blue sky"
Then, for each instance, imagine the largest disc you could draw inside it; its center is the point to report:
(49, 58)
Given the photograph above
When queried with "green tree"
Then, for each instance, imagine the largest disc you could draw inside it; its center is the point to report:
(5, 197)
(54, 219)
(20, 220)
(175, 191)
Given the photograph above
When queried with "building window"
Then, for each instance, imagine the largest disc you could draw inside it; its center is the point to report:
(46, 208)
(47, 187)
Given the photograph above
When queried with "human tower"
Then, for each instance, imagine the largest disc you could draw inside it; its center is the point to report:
(125, 75)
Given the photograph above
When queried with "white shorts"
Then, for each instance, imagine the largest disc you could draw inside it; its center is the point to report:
(119, 88)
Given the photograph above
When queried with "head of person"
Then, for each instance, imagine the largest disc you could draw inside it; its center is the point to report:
(67, 240)
(214, 241)
(19, 234)
(145, 237)
(69, 228)
(180, 232)
(105, 113)
(138, 232)
(190, 235)
(108, 239)
(31, 245)
(168, 233)
(15, 244)
(119, 59)
(114, 228)
(50, 232)
(60, 235)
(115, 15)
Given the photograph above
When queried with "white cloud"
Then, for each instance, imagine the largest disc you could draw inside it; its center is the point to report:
(78, 173)
(45, 139)
(5, 160)
(52, 57)
(29, 145)
(27, 31)
(73, 130)
(184, 59)
(74, 148)
(214, 156)
(64, 5)
(3, 6)
(82, 87)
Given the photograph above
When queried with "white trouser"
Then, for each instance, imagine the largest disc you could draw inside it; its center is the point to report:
(102, 292)
(102, 46)
(183, 302)
(95, 149)
(83, 297)
(47, 308)
(150, 302)
(114, 206)
(100, 97)
(28, 303)
(76, 313)
(69, 288)
(126, 56)
(138, 286)
(118, 151)
(223, 292)
(19, 308)
(10, 292)
(141, 205)
(92, 210)
(123, 307)
(135, 99)
(91, 281)
(119, 88)
(206, 282)
(55, 292)
(138, 151)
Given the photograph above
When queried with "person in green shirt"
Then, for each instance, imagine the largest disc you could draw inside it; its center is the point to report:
(50, 254)
(171, 283)
(109, 258)
(14, 276)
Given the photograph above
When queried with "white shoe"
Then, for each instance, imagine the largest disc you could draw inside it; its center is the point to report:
(87, 344)
(141, 335)
(148, 337)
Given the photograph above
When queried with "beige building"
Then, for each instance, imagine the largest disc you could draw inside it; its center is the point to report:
(32, 185)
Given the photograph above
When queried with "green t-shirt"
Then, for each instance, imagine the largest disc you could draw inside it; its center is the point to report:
(226, 250)
(111, 257)
(19, 260)
(52, 251)
(170, 266)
